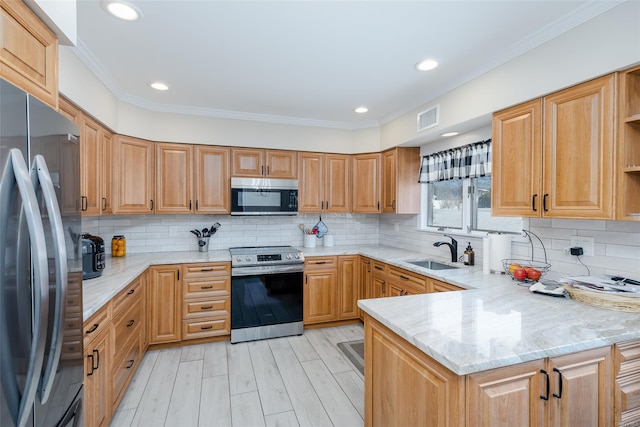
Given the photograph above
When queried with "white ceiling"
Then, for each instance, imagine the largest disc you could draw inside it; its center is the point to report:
(310, 62)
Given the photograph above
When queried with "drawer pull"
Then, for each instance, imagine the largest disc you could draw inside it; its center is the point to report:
(204, 328)
(320, 262)
(207, 269)
(206, 307)
(377, 267)
(93, 328)
(130, 364)
(404, 277)
(131, 292)
(206, 287)
(131, 322)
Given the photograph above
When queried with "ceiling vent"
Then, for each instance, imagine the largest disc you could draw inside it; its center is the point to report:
(429, 118)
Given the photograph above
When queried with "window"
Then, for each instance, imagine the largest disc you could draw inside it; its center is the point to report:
(457, 193)
(464, 204)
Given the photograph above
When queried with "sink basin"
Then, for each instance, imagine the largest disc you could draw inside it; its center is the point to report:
(432, 265)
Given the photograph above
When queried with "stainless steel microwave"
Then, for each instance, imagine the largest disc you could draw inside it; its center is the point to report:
(263, 196)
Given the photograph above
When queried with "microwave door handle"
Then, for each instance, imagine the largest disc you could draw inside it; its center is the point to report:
(21, 405)
(41, 177)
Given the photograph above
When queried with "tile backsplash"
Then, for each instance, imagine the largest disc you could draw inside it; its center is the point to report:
(616, 243)
(162, 233)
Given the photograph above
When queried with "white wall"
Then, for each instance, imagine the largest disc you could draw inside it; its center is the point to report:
(608, 42)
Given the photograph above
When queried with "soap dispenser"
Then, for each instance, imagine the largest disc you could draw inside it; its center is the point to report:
(469, 255)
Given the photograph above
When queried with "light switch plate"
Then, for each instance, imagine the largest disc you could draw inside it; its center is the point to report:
(586, 243)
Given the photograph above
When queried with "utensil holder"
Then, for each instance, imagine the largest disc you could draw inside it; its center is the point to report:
(310, 240)
(203, 244)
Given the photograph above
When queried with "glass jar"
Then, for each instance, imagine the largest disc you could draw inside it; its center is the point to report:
(118, 246)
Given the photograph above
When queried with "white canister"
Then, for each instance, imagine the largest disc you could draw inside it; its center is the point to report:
(327, 240)
(310, 240)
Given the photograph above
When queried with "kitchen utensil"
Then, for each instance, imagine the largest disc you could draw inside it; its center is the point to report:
(196, 233)
(205, 232)
(214, 228)
(301, 227)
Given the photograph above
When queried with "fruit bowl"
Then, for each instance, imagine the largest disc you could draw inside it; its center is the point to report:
(532, 271)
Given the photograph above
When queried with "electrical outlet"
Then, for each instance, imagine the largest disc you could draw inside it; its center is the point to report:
(586, 243)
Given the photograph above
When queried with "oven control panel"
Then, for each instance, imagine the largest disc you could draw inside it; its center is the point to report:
(260, 256)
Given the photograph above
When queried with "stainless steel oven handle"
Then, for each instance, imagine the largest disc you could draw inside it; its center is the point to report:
(272, 269)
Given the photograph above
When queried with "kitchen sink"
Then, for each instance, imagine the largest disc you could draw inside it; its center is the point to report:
(432, 265)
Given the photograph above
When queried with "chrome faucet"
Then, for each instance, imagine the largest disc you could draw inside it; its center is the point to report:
(453, 246)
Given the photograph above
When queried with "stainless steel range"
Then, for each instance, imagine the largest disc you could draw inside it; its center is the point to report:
(266, 292)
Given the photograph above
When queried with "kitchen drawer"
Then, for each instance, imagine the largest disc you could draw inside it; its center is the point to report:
(71, 350)
(207, 287)
(126, 325)
(72, 326)
(198, 271)
(96, 324)
(407, 279)
(132, 294)
(321, 262)
(74, 303)
(205, 307)
(438, 286)
(209, 327)
(627, 383)
(379, 268)
(125, 366)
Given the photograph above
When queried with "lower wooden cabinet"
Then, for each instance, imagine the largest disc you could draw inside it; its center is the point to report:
(440, 286)
(403, 387)
(97, 369)
(319, 294)
(626, 389)
(164, 304)
(348, 287)
(206, 300)
(365, 281)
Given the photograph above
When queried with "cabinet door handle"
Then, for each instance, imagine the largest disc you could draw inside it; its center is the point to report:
(393, 205)
(326, 202)
(131, 322)
(83, 203)
(267, 169)
(93, 328)
(189, 204)
(204, 328)
(378, 204)
(206, 287)
(383, 287)
(131, 292)
(533, 203)
(559, 394)
(404, 277)
(261, 170)
(544, 202)
(197, 207)
(104, 203)
(151, 204)
(90, 366)
(130, 364)
(546, 395)
(96, 359)
(322, 205)
(377, 267)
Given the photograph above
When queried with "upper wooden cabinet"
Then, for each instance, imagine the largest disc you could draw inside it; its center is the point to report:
(211, 179)
(252, 162)
(400, 187)
(174, 192)
(133, 176)
(568, 171)
(28, 52)
(96, 155)
(628, 207)
(365, 181)
(324, 182)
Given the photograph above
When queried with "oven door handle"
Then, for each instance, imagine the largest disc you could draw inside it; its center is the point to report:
(275, 269)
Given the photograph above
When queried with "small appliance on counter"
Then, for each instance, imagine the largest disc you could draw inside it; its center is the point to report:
(92, 256)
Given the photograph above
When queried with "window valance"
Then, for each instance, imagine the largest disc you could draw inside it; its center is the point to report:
(469, 161)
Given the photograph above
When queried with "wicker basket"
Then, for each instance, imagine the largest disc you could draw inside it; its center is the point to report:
(604, 300)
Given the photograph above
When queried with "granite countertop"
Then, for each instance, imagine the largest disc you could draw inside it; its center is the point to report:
(493, 323)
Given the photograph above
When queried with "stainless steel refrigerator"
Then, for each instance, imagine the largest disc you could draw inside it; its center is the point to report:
(41, 359)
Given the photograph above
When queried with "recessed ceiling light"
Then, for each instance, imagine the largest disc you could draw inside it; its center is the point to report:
(159, 86)
(361, 110)
(122, 10)
(450, 134)
(426, 65)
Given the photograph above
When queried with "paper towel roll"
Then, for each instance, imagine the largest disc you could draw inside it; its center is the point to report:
(500, 248)
(486, 256)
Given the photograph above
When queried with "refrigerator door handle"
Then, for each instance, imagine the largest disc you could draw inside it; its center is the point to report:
(41, 177)
(21, 405)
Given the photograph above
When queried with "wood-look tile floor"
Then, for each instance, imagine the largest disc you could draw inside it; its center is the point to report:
(293, 381)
